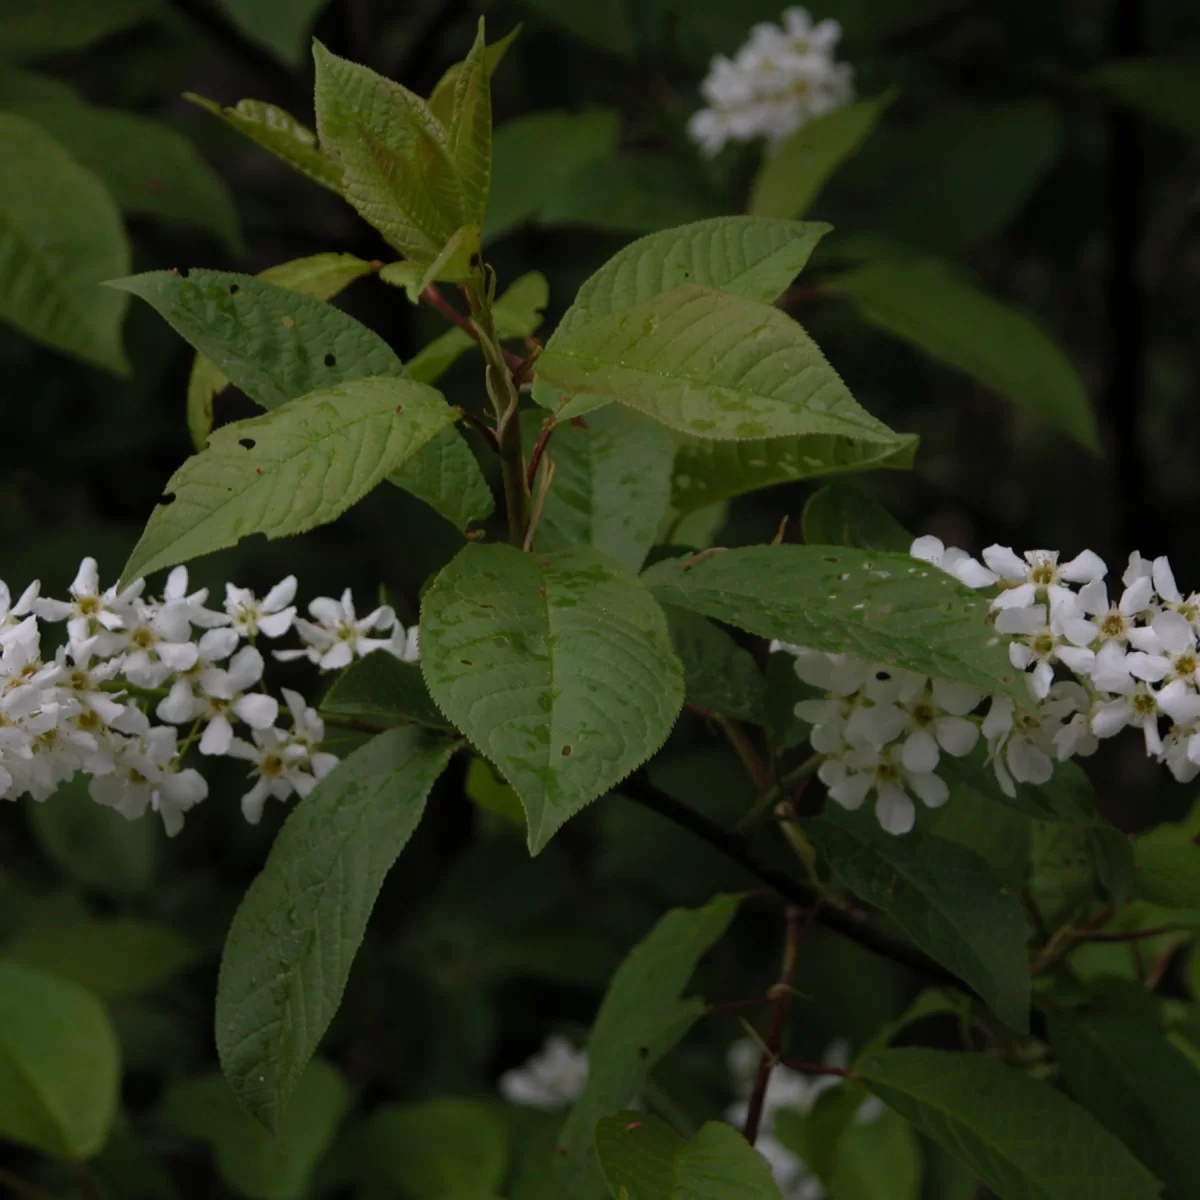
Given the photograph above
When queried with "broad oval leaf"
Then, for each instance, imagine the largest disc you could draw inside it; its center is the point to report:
(251, 1160)
(1168, 865)
(1022, 1138)
(707, 471)
(59, 1064)
(60, 237)
(882, 606)
(719, 675)
(383, 689)
(960, 325)
(643, 1158)
(290, 470)
(294, 937)
(557, 666)
(841, 515)
(711, 364)
(643, 1014)
(944, 898)
(53, 26)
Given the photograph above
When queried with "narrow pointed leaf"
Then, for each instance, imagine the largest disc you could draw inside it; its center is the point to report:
(470, 130)
(294, 938)
(295, 468)
(557, 666)
(441, 99)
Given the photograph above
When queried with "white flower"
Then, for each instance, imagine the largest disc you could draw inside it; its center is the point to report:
(953, 561)
(1141, 707)
(190, 607)
(1113, 621)
(283, 766)
(554, 1076)
(405, 644)
(271, 616)
(1165, 650)
(308, 732)
(339, 636)
(90, 611)
(144, 776)
(858, 772)
(937, 720)
(1168, 592)
(1020, 741)
(1039, 571)
(1040, 643)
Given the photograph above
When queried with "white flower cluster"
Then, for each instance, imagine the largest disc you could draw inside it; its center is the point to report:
(779, 80)
(1093, 665)
(554, 1076)
(127, 655)
(787, 1089)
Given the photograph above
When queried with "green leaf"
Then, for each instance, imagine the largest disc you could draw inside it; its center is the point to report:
(1168, 866)
(558, 667)
(966, 328)
(607, 24)
(791, 177)
(395, 156)
(279, 133)
(446, 475)
(718, 674)
(710, 364)
(641, 1017)
(1138, 1086)
(149, 168)
(252, 1161)
(59, 1064)
(110, 957)
(486, 789)
(884, 607)
(96, 845)
(633, 192)
(708, 471)
(440, 1150)
(1022, 1138)
(944, 898)
(282, 26)
(611, 486)
(292, 469)
(441, 99)
(17, 86)
(535, 156)
(470, 129)
(380, 688)
(55, 26)
(60, 237)
(294, 937)
(643, 1158)
(841, 515)
(877, 1160)
(1168, 91)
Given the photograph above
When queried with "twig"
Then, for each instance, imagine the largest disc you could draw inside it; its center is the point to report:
(743, 747)
(432, 296)
(1133, 935)
(539, 501)
(87, 1182)
(342, 722)
(780, 994)
(489, 434)
(535, 455)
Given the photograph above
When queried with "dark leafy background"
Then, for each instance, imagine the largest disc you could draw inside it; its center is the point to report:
(474, 952)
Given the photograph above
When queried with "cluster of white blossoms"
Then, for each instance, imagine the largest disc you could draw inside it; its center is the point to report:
(779, 80)
(1094, 664)
(140, 680)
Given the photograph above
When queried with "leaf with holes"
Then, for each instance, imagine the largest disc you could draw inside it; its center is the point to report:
(707, 471)
(279, 133)
(293, 940)
(295, 468)
(711, 364)
(960, 325)
(885, 607)
(943, 896)
(557, 666)
(397, 169)
(643, 1014)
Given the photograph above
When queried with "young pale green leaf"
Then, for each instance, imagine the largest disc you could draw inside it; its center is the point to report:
(109, 957)
(441, 99)
(643, 1158)
(54, 26)
(380, 688)
(882, 606)
(148, 167)
(1168, 91)
(397, 169)
(441, 1150)
(557, 666)
(469, 130)
(943, 896)
(282, 26)
(288, 471)
(641, 1017)
(446, 475)
(279, 133)
(60, 238)
(1168, 865)
(59, 1064)
(791, 177)
(1139, 1087)
(842, 515)
(252, 1161)
(708, 471)
(956, 323)
(1022, 1138)
(711, 364)
(535, 156)
(718, 674)
(612, 485)
(294, 937)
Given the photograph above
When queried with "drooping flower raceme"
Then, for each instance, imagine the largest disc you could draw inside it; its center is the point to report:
(779, 80)
(129, 656)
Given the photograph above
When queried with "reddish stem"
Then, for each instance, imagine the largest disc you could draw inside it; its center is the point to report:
(535, 455)
(432, 296)
(809, 1068)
